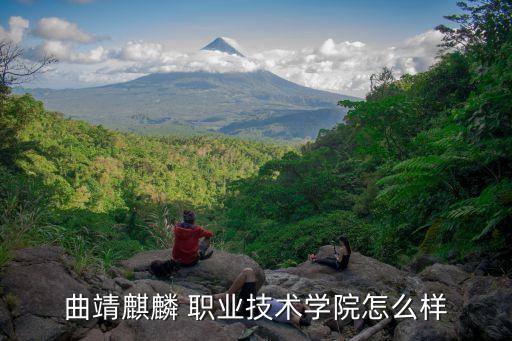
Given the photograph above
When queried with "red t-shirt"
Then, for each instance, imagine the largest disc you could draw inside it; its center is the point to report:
(186, 243)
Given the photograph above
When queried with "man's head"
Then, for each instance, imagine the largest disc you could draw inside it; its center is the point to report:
(189, 217)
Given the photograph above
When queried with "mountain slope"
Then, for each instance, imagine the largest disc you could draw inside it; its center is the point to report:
(221, 45)
(201, 101)
(196, 100)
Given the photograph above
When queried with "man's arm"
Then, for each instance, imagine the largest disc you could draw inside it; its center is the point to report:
(204, 233)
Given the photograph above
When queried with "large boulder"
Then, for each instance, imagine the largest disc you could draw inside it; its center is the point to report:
(36, 284)
(418, 330)
(6, 325)
(420, 262)
(270, 330)
(282, 282)
(363, 273)
(183, 328)
(416, 288)
(448, 274)
(487, 311)
(216, 273)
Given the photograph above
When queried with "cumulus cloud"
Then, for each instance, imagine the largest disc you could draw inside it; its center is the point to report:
(345, 67)
(139, 51)
(17, 28)
(65, 52)
(342, 67)
(58, 29)
(152, 57)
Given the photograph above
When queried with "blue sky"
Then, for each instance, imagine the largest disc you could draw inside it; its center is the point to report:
(258, 26)
(277, 23)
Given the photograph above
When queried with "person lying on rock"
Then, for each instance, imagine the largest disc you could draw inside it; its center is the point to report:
(336, 262)
(245, 285)
(191, 241)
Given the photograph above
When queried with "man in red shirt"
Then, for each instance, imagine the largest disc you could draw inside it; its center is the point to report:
(188, 247)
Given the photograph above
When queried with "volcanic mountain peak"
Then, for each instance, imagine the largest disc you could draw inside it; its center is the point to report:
(221, 44)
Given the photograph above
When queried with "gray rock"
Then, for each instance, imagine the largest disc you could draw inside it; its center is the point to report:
(123, 282)
(449, 274)
(482, 285)
(147, 286)
(318, 332)
(41, 254)
(487, 312)
(6, 326)
(420, 262)
(218, 271)
(184, 328)
(419, 330)
(142, 260)
(42, 288)
(34, 328)
(273, 291)
(295, 284)
(453, 299)
(39, 280)
(95, 335)
(270, 330)
(363, 273)
(101, 283)
(123, 332)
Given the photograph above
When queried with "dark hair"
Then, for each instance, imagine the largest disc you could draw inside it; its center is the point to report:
(345, 242)
(189, 216)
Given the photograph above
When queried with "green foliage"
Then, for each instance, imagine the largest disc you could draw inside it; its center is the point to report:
(424, 164)
(104, 195)
(279, 244)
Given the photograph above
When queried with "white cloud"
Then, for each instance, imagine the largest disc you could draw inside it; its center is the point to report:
(58, 29)
(346, 67)
(17, 28)
(233, 43)
(152, 57)
(342, 67)
(140, 51)
(65, 52)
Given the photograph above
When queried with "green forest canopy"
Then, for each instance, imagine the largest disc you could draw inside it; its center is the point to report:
(423, 165)
(106, 194)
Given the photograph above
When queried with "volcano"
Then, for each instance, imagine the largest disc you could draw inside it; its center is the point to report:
(221, 44)
(257, 103)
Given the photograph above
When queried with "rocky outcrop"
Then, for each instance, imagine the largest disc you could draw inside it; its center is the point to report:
(212, 275)
(37, 281)
(487, 310)
(479, 307)
(183, 328)
(35, 286)
(424, 331)
(363, 275)
(448, 274)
